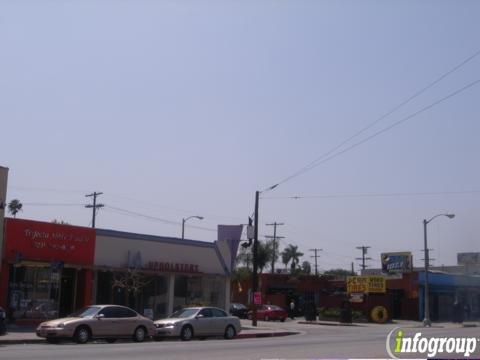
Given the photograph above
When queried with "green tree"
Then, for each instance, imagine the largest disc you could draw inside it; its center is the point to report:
(306, 268)
(14, 207)
(338, 272)
(292, 255)
(264, 256)
(274, 252)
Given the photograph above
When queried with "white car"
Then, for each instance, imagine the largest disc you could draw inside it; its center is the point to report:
(199, 322)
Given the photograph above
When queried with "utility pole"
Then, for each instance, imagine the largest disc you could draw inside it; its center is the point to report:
(255, 265)
(363, 258)
(274, 238)
(316, 257)
(95, 206)
(353, 270)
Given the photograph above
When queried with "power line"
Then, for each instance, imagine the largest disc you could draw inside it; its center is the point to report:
(329, 156)
(398, 194)
(403, 103)
(165, 221)
(52, 204)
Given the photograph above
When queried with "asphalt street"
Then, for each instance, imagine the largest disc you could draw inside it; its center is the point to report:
(315, 341)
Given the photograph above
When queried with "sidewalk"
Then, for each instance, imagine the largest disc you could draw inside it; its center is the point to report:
(26, 335)
(399, 323)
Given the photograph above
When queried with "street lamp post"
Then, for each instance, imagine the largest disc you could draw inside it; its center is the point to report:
(184, 220)
(426, 297)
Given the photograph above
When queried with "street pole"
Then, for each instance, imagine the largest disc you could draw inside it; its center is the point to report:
(274, 239)
(316, 257)
(184, 220)
(426, 297)
(255, 265)
(183, 228)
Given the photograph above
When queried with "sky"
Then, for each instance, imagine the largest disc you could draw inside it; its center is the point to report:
(181, 108)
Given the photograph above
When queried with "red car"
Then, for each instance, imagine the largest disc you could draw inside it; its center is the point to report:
(269, 312)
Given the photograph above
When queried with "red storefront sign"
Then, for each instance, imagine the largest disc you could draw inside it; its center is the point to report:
(41, 241)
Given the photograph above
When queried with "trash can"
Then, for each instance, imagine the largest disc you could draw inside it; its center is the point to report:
(310, 312)
(346, 313)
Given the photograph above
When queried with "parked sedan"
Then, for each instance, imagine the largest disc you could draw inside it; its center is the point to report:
(269, 312)
(108, 322)
(198, 322)
(239, 310)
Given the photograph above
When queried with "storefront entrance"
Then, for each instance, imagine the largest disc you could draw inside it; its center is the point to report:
(67, 292)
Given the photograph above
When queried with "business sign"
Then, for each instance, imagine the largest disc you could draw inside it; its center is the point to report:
(396, 262)
(468, 258)
(257, 298)
(162, 266)
(366, 284)
(55, 243)
(356, 297)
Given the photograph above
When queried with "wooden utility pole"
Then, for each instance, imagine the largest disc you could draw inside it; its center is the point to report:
(316, 257)
(364, 257)
(95, 206)
(274, 239)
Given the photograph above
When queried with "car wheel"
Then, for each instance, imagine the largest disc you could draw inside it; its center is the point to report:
(139, 334)
(82, 335)
(110, 340)
(52, 340)
(266, 318)
(187, 333)
(229, 332)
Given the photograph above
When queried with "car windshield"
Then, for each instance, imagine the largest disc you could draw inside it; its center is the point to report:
(184, 313)
(86, 312)
(239, 306)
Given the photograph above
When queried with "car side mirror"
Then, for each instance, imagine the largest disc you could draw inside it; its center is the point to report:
(100, 316)
(199, 316)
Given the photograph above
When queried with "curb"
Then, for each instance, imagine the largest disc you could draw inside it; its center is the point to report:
(264, 335)
(21, 341)
(239, 336)
(326, 323)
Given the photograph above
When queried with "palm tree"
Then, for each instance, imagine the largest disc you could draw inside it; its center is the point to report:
(292, 255)
(14, 207)
(263, 256)
(306, 268)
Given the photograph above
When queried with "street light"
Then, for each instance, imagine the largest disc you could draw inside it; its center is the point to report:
(426, 309)
(184, 220)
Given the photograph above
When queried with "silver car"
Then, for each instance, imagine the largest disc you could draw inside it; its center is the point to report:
(108, 322)
(199, 322)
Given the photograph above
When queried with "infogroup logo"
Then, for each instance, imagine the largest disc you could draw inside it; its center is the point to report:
(399, 343)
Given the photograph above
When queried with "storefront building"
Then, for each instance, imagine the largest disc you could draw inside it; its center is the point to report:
(46, 269)
(156, 275)
(50, 270)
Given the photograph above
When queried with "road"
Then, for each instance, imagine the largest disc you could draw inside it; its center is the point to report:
(315, 341)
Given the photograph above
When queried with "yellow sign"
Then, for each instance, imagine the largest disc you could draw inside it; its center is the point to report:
(366, 284)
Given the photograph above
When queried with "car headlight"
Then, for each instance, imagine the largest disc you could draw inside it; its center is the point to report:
(62, 325)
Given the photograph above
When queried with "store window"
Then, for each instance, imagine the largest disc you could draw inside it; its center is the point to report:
(34, 292)
(147, 294)
(199, 291)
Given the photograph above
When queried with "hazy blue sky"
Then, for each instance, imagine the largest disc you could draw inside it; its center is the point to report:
(177, 108)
